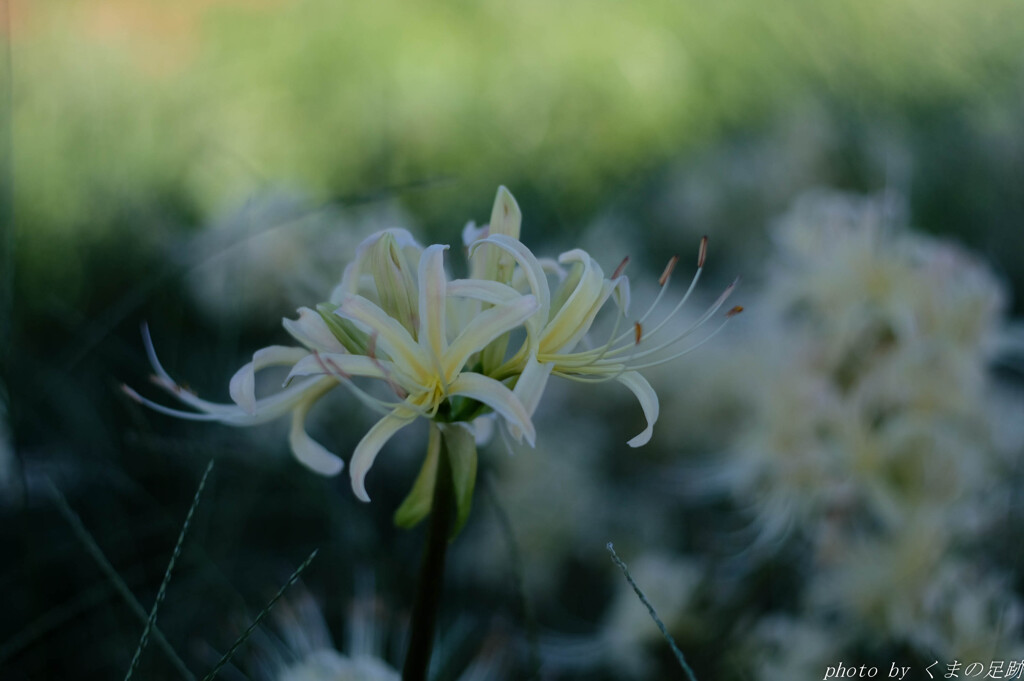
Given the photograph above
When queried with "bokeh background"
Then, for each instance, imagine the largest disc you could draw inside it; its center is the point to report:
(835, 478)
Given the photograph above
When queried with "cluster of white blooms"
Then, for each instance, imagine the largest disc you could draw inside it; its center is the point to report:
(873, 403)
(273, 252)
(855, 417)
(870, 432)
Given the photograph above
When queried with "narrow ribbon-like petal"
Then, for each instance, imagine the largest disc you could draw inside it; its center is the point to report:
(266, 409)
(648, 402)
(484, 328)
(532, 268)
(391, 336)
(531, 383)
(571, 317)
(368, 448)
(584, 322)
(310, 330)
(496, 396)
(308, 451)
(530, 387)
(243, 384)
(485, 290)
(432, 297)
(263, 410)
(340, 363)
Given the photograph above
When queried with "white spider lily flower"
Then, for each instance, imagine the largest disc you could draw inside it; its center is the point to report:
(564, 318)
(428, 370)
(388, 322)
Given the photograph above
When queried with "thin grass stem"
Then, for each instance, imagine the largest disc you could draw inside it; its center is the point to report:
(119, 584)
(654, 615)
(162, 592)
(259, 618)
(423, 627)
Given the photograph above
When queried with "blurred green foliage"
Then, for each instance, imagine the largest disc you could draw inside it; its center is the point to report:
(130, 118)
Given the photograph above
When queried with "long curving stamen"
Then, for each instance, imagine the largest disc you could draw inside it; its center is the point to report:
(682, 301)
(663, 281)
(689, 330)
(618, 270)
(729, 315)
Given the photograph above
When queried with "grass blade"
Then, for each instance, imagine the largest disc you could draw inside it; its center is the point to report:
(259, 618)
(115, 579)
(654, 615)
(151, 621)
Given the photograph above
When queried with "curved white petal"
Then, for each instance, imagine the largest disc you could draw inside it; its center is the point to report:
(432, 297)
(532, 269)
(531, 383)
(368, 448)
(573, 318)
(496, 396)
(483, 429)
(308, 451)
(154, 361)
(530, 387)
(243, 384)
(584, 323)
(311, 330)
(484, 328)
(488, 291)
(277, 405)
(327, 363)
(391, 335)
(264, 410)
(648, 402)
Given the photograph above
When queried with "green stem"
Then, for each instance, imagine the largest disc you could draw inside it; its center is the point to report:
(428, 591)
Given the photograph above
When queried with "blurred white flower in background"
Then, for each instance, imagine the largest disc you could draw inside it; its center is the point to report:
(299, 647)
(855, 417)
(276, 252)
(867, 424)
(873, 405)
(330, 665)
(782, 648)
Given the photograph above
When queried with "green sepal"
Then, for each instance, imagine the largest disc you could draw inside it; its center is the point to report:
(461, 448)
(351, 338)
(417, 504)
(460, 451)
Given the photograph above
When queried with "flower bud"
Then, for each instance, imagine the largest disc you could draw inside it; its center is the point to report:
(396, 281)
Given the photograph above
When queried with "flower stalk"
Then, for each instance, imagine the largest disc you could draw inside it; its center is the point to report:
(423, 625)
